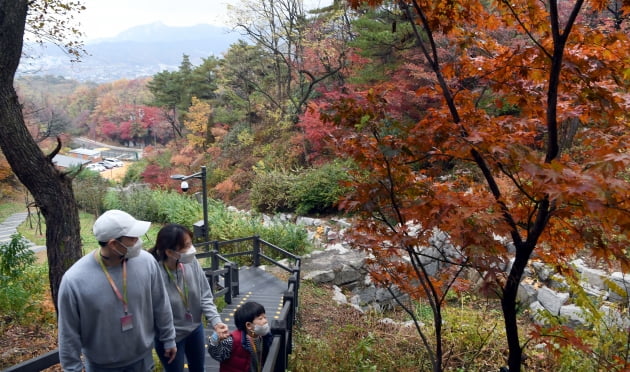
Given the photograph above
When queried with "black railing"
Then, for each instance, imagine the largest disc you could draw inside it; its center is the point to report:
(36, 364)
(281, 328)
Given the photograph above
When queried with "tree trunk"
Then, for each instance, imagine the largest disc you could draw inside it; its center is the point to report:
(51, 189)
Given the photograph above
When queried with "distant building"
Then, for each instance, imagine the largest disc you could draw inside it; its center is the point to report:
(63, 161)
(86, 154)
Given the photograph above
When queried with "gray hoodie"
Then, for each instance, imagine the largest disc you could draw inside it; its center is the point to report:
(90, 313)
(200, 298)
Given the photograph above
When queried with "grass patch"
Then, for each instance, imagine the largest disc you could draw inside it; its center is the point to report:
(34, 229)
(340, 338)
(7, 208)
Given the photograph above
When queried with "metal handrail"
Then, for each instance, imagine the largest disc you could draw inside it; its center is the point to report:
(39, 363)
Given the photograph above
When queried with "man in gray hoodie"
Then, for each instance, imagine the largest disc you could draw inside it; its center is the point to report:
(112, 302)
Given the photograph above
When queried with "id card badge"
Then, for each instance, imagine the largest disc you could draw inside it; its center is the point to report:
(126, 322)
(189, 317)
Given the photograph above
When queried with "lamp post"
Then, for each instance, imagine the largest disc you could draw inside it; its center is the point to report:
(202, 176)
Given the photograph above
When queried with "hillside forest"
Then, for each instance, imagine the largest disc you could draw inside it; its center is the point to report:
(503, 124)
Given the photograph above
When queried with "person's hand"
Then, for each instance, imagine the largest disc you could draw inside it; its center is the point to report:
(222, 330)
(170, 354)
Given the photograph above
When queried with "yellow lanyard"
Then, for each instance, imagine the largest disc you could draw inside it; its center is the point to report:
(123, 297)
(258, 356)
(183, 294)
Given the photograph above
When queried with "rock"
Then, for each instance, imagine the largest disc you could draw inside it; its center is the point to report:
(365, 296)
(320, 276)
(594, 292)
(594, 277)
(526, 294)
(407, 324)
(332, 235)
(574, 315)
(613, 318)
(347, 275)
(557, 282)
(619, 287)
(551, 300)
(342, 222)
(338, 296)
(542, 271)
(345, 267)
(537, 313)
(307, 221)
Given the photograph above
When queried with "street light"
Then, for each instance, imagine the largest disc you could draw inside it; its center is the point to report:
(184, 185)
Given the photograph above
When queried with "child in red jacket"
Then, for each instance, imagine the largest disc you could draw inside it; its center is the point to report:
(245, 350)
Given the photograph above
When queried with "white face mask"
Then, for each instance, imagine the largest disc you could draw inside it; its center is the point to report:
(132, 251)
(261, 330)
(188, 255)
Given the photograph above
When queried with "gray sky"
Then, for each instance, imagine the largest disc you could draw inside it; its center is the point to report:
(107, 18)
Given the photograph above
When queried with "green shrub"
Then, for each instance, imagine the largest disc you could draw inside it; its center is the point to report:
(271, 191)
(15, 257)
(172, 207)
(228, 225)
(137, 202)
(602, 344)
(22, 285)
(134, 171)
(177, 208)
(288, 236)
(89, 190)
(319, 189)
(156, 205)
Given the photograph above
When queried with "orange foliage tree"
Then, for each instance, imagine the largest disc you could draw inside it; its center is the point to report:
(525, 140)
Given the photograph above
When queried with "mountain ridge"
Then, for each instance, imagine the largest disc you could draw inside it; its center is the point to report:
(136, 52)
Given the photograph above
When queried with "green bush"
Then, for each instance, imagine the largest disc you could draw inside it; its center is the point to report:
(311, 191)
(89, 190)
(228, 225)
(15, 257)
(133, 174)
(22, 285)
(156, 205)
(271, 191)
(137, 202)
(319, 189)
(288, 236)
(171, 207)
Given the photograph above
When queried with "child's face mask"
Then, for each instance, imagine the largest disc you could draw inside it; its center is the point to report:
(261, 330)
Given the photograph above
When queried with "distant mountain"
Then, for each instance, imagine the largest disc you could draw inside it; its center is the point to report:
(139, 51)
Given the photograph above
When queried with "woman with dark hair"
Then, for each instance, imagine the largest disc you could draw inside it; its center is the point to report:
(190, 297)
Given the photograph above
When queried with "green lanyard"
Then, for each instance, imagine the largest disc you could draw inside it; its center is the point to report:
(123, 297)
(183, 294)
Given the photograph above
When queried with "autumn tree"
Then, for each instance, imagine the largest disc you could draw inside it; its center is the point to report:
(166, 92)
(501, 86)
(199, 122)
(280, 29)
(50, 187)
(53, 21)
(240, 71)
(173, 90)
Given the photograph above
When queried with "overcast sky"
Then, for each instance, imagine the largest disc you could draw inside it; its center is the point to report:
(107, 18)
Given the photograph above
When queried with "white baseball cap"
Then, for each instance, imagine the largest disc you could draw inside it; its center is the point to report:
(114, 224)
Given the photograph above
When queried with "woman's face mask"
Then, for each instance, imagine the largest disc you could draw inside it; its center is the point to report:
(188, 255)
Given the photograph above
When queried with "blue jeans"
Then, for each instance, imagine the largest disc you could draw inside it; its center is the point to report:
(192, 347)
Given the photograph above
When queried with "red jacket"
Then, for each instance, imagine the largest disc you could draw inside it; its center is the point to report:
(240, 359)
